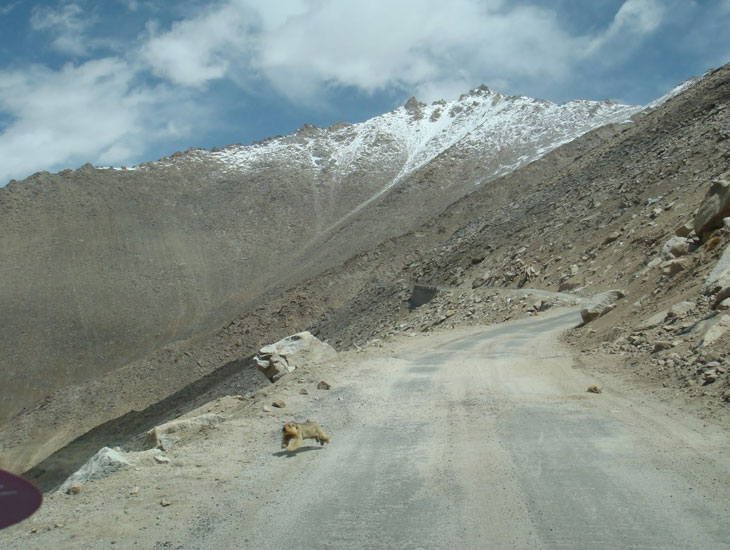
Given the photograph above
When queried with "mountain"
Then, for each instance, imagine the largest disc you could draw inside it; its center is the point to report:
(102, 266)
(139, 294)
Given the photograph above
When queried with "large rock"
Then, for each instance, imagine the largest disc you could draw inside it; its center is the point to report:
(677, 311)
(674, 248)
(653, 321)
(276, 360)
(166, 435)
(713, 330)
(600, 304)
(714, 207)
(102, 464)
(681, 309)
(718, 281)
(423, 294)
(671, 268)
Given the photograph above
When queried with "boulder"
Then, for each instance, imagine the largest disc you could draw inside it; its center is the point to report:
(166, 435)
(102, 464)
(713, 330)
(422, 294)
(567, 286)
(714, 207)
(600, 304)
(654, 262)
(611, 237)
(481, 280)
(684, 230)
(661, 346)
(674, 248)
(541, 305)
(283, 357)
(653, 321)
(671, 267)
(718, 281)
(681, 309)
(723, 292)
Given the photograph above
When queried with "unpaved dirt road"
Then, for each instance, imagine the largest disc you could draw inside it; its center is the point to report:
(475, 438)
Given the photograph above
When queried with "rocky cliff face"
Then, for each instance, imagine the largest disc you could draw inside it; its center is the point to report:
(102, 266)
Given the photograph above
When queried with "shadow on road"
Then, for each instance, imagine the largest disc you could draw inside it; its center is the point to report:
(291, 454)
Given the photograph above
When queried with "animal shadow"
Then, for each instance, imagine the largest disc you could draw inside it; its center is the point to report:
(289, 454)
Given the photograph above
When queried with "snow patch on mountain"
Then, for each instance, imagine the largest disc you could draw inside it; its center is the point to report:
(417, 133)
(675, 92)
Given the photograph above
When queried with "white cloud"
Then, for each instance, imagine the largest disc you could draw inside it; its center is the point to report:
(633, 21)
(303, 47)
(641, 16)
(80, 113)
(8, 7)
(204, 48)
(68, 23)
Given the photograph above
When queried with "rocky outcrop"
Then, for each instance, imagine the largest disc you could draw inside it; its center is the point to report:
(600, 304)
(714, 207)
(283, 357)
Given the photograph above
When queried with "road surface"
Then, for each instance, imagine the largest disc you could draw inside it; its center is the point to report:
(490, 440)
(466, 439)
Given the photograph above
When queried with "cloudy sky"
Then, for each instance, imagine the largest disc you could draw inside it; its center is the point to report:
(121, 82)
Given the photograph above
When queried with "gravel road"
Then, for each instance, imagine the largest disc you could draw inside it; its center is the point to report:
(477, 438)
(490, 441)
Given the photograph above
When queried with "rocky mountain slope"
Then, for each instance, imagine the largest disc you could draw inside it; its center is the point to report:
(101, 266)
(622, 214)
(589, 216)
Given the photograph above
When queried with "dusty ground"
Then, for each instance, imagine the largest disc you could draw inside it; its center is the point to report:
(468, 437)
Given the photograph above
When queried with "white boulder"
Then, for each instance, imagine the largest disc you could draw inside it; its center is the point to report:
(283, 357)
(674, 248)
(718, 281)
(102, 464)
(166, 435)
(714, 207)
(600, 304)
(713, 330)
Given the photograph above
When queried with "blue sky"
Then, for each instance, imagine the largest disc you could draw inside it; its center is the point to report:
(121, 82)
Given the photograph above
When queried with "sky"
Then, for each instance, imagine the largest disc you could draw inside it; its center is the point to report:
(121, 82)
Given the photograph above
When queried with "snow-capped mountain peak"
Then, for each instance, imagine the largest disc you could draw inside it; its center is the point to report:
(416, 133)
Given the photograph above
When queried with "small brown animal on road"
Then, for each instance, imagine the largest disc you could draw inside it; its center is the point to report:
(298, 432)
